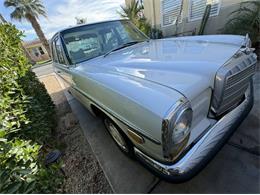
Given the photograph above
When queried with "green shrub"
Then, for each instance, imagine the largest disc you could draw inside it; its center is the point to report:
(21, 171)
(40, 110)
(245, 19)
(27, 118)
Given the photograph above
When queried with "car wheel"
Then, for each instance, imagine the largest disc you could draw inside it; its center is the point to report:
(119, 137)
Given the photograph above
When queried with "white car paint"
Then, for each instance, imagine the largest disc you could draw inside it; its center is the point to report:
(187, 65)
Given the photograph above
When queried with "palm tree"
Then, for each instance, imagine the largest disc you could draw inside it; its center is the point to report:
(246, 19)
(29, 10)
(2, 19)
(134, 11)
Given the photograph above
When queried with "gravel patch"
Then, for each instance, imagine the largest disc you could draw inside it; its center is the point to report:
(82, 171)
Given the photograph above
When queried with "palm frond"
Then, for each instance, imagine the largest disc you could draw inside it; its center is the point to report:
(255, 3)
(244, 20)
(243, 9)
(132, 11)
(22, 7)
(17, 15)
(10, 3)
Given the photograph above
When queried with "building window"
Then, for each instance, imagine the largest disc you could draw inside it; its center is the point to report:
(41, 50)
(170, 11)
(35, 52)
(197, 8)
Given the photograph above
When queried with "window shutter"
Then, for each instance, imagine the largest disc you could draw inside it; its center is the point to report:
(197, 8)
(170, 11)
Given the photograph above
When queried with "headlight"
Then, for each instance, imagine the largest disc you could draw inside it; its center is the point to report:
(176, 129)
(182, 125)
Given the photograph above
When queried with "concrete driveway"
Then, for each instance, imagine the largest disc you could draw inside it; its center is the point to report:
(44, 69)
(235, 169)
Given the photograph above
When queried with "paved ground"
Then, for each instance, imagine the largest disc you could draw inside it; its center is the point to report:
(235, 169)
(43, 69)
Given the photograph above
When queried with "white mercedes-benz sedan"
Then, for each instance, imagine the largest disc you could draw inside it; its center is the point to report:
(171, 103)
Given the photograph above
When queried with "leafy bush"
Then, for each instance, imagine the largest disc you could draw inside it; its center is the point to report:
(156, 33)
(22, 172)
(40, 110)
(246, 19)
(27, 118)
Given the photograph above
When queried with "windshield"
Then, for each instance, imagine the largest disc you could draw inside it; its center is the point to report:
(86, 42)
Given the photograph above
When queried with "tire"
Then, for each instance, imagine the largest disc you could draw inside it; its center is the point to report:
(119, 137)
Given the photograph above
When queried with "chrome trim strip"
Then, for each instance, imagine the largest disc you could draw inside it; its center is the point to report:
(205, 146)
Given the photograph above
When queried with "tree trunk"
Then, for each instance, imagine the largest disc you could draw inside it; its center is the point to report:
(39, 32)
(2, 19)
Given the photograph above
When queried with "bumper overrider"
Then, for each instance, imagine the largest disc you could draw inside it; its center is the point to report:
(205, 148)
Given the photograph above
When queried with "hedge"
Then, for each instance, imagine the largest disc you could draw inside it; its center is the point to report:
(27, 119)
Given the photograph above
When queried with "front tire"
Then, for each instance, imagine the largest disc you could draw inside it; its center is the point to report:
(119, 137)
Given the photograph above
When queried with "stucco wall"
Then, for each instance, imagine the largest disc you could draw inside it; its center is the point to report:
(152, 11)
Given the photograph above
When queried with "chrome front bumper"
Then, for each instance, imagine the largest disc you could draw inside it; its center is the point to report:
(205, 148)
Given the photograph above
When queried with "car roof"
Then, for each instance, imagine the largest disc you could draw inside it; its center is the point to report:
(76, 26)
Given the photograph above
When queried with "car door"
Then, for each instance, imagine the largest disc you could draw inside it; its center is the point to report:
(61, 66)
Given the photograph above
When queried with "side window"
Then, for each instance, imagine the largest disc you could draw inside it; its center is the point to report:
(59, 53)
(54, 55)
(82, 46)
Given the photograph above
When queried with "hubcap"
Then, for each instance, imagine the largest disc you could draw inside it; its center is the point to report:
(114, 132)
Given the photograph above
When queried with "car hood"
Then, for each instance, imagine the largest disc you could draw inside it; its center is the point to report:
(187, 65)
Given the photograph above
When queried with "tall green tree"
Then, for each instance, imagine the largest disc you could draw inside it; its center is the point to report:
(29, 10)
(246, 19)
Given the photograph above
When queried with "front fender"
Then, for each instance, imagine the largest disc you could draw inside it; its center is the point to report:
(131, 102)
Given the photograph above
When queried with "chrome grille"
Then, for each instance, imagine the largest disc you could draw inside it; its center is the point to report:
(240, 76)
(231, 83)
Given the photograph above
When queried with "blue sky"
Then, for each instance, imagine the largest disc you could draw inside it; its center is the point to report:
(62, 13)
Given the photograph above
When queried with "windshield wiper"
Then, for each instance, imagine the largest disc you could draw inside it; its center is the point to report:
(122, 46)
